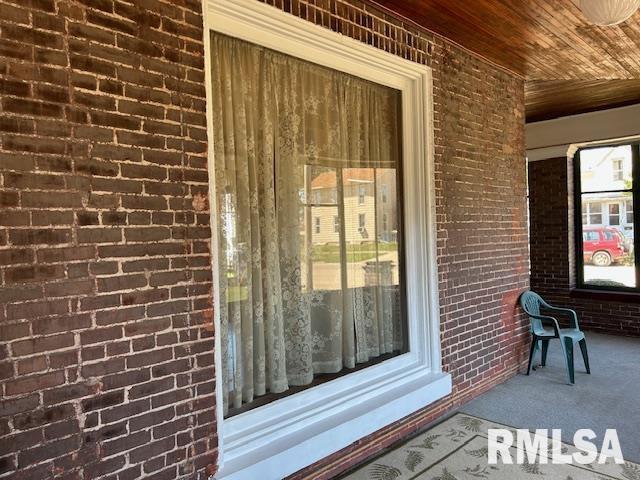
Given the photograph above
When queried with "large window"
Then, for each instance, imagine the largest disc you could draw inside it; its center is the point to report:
(310, 264)
(607, 179)
(307, 424)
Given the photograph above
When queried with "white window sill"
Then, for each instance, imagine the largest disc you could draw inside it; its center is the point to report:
(263, 444)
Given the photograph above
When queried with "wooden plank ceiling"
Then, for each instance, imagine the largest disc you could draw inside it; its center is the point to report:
(563, 57)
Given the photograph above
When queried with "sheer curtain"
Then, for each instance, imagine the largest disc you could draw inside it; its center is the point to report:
(306, 164)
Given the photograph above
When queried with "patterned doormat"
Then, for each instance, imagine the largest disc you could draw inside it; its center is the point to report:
(456, 449)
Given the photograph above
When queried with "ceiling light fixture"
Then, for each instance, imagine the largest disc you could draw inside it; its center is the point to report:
(608, 12)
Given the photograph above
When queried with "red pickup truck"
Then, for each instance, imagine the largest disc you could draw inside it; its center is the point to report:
(603, 245)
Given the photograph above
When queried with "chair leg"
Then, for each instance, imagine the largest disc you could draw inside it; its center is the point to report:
(532, 352)
(585, 354)
(568, 353)
(545, 347)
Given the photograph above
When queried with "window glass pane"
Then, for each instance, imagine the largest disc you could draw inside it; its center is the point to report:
(614, 214)
(607, 245)
(325, 252)
(308, 246)
(606, 168)
(592, 211)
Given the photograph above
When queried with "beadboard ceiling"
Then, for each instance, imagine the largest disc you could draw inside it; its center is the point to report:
(563, 58)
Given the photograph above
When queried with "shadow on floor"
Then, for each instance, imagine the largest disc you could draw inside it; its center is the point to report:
(608, 398)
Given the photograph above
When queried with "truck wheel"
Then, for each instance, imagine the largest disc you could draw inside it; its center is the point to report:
(601, 259)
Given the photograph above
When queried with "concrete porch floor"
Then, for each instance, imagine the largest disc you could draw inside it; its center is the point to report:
(608, 398)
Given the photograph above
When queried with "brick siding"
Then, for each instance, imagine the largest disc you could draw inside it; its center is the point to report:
(106, 353)
(106, 348)
(553, 252)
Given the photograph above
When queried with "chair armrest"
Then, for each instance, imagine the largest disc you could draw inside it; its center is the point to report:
(573, 315)
(547, 319)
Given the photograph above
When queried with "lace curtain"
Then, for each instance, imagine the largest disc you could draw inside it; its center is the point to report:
(300, 150)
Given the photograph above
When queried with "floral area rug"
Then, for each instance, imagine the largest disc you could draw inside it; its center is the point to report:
(456, 449)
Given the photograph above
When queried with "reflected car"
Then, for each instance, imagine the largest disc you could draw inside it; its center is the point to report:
(603, 246)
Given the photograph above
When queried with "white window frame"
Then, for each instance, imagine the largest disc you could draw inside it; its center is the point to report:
(277, 439)
(619, 214)
(615, 172)
(362, 221)
(627, 211)
(603, 210)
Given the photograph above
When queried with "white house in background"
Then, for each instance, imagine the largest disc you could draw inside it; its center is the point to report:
(369, 205)
(604, 170)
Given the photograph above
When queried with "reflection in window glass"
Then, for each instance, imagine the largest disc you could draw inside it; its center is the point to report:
(592, 213)
(308, 271)
(607, 245)
(618, 169)
(606, 168)
(614, 214)
(362, 192)
(606, 206)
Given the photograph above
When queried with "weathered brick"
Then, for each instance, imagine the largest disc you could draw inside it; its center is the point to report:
(103, 102)
(44, 326)
(14, 87)
(149, 358)
(77, 270)
(88, 64)
(43, 344)
(41, 417)
(89, 32)
(31, 107)
(115, 120)
(39, 236)
(61, 429)
(128, 378)
(144, 171)
(151, 388)
(121, 282)
(16, 256)
(103, 368)
(69, 287)
(103, 401)
(48, 255)
(51, 450)
(130, 441)
(153, 418)
(34, 383)
(129, 409)
(115, 152)
(53, 218)
(13, 331)
(33, 273)
(32, 309)
(99, 235)
(20, 441)
(66, 393)
(99, 335)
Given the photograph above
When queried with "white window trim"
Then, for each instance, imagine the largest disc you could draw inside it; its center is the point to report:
(286, 435)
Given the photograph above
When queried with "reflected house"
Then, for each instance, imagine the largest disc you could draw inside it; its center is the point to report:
(369, 206)
(604, 170)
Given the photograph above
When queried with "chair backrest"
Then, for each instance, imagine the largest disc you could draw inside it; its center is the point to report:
(530, 303)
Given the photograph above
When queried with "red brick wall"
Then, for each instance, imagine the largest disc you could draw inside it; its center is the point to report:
(552, 253)
(105, 346)
(106, 352)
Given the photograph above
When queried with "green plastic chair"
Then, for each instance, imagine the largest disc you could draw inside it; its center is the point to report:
(531, 303)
